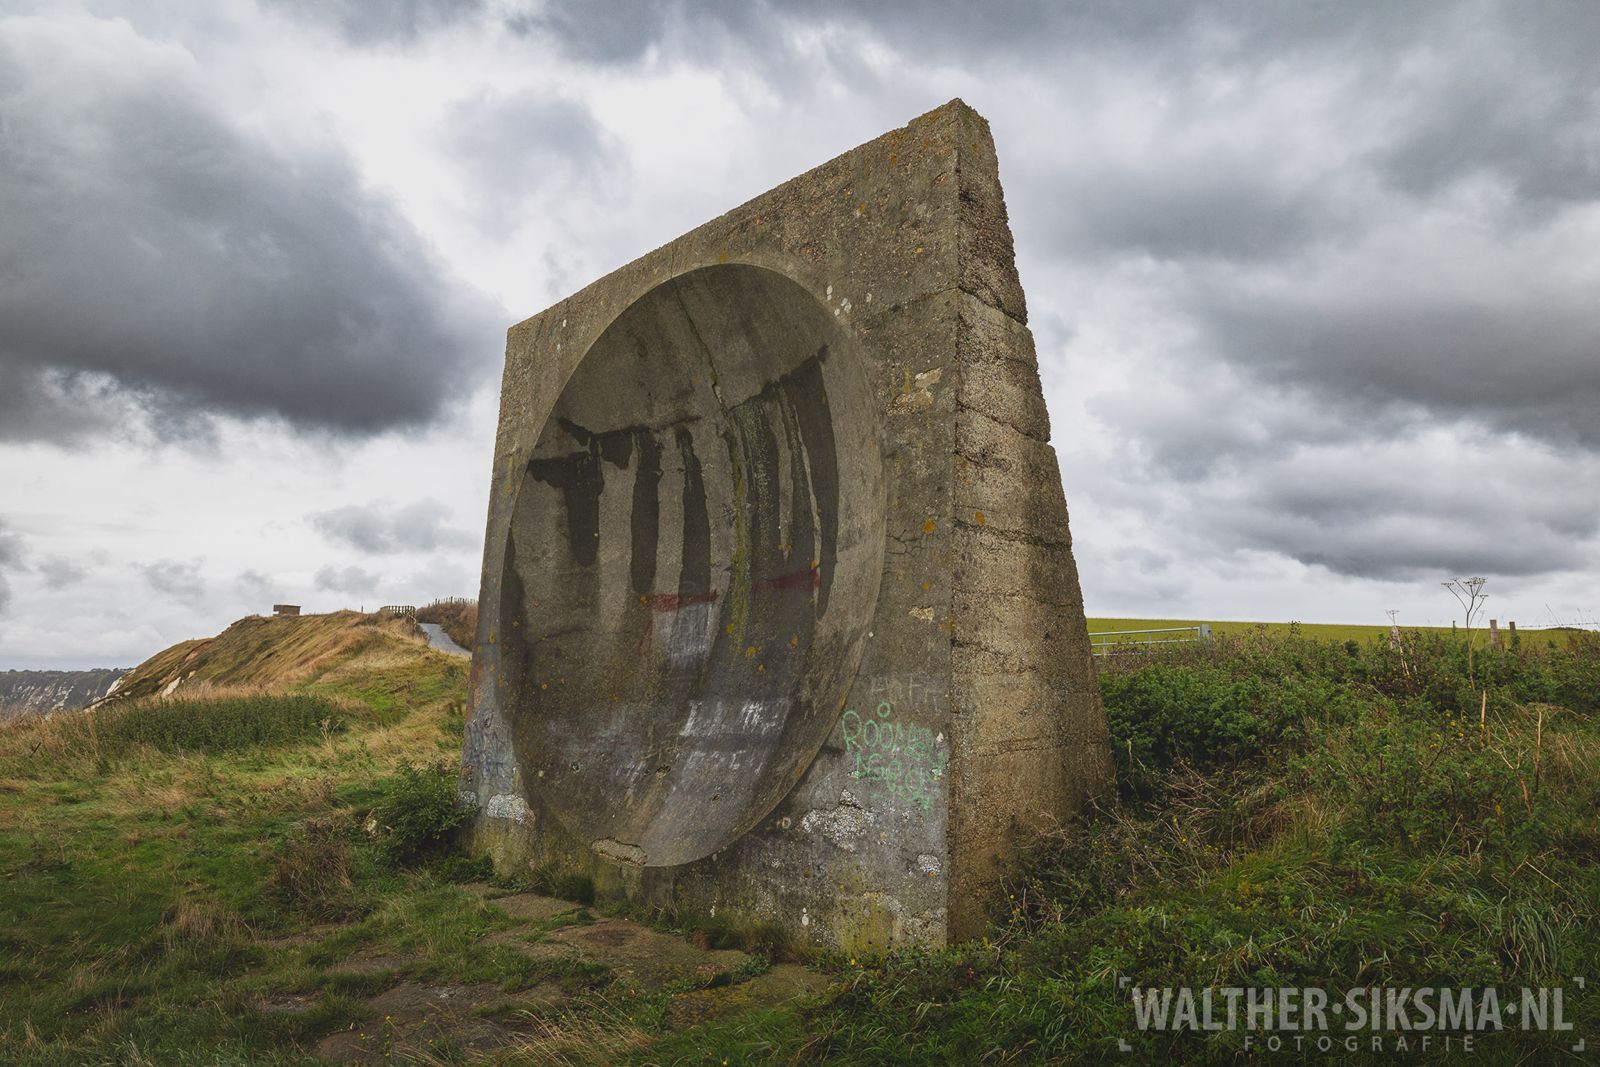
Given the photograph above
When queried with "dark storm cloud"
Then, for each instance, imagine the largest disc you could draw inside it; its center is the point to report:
(156, 257)
(347, 580)
(363, 22)
(175, 578)
(1409, 546)
(1410, 508)
(418, 527)
(1526, 360)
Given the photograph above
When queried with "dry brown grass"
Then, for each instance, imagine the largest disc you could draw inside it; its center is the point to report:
(60, 738)
(128, 795)
(265, 654)
(197, 921)
(591, 1035)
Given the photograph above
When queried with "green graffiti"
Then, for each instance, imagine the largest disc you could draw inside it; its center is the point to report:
(906, 760)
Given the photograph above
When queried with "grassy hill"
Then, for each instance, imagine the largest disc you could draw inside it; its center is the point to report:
(371, 659)
(258, 869)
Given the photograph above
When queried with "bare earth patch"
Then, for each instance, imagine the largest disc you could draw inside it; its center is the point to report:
(784, 981)
(414, 1020)
(643, 958)
(531, 907)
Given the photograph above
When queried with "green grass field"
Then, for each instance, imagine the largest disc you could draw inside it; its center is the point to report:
(1321, 631)
(259, 877)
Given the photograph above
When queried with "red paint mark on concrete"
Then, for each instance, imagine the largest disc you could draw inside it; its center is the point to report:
(663, 602)
(809, 579)
(679, 601)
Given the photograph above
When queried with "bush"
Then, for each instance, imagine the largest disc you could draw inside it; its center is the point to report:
(419, 814)
(1199, 715)
(217, 725)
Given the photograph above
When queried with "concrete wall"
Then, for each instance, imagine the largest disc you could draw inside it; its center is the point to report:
(779, 616)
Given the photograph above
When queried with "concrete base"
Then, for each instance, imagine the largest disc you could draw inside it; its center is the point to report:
(779, 616)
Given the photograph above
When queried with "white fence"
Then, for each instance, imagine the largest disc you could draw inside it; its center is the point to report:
(1119, 642)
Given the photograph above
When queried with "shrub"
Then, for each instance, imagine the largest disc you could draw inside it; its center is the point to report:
(1408, 775)
(1199, 715)
(419, 813)
(313, 871)
(464, 869)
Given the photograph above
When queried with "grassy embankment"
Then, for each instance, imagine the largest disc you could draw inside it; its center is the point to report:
(196, 882)
(1289, 812)
(147, 910)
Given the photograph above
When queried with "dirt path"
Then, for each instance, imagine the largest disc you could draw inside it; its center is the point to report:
(437, 638)
(594, 977)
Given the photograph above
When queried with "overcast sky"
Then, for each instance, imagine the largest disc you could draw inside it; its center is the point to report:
(1314, 285)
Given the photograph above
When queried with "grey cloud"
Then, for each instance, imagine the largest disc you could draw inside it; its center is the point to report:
(1519, 353)
(49, 404)
(347, 580)
(1409, 508)
(759, 38)
(59, 572)
(10, 558)
(619, 31)
(159, 260)
(10, 547)
(418, 527)
(511, 145)
(365, 23)
(1513, 98)
(255, 585)
(175, 578)
(1401, 547)
(1224, 208)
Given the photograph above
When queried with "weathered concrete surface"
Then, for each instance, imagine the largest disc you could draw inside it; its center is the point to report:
(779, 616)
